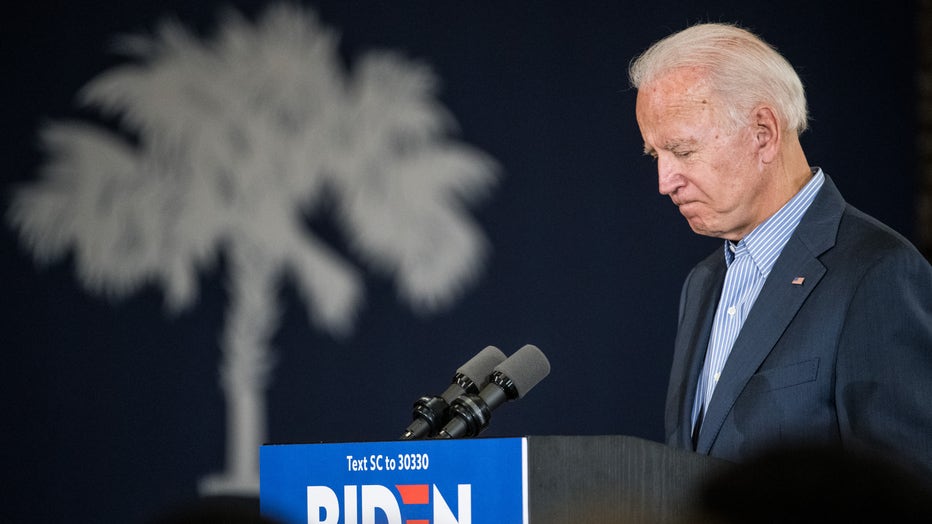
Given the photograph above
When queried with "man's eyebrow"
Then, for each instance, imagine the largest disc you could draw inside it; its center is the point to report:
(669, 145)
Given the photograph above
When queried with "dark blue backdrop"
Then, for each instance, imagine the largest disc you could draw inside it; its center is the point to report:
(113, 409)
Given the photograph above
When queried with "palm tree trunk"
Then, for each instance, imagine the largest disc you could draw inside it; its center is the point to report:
(244, 375)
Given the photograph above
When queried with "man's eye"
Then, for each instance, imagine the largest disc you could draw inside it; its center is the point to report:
(682, 154)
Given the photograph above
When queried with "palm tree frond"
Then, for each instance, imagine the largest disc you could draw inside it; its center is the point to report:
(80, 204)
(394, 101)
(416, 228)
(332, 289)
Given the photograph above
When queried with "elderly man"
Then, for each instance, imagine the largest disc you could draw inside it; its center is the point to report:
(813, 324)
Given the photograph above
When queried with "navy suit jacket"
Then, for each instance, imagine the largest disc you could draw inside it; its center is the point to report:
(843, 355)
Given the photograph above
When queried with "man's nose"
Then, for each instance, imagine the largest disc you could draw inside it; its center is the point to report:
(669, 178)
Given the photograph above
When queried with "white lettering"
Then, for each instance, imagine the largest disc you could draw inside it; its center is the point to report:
(322, 499)
(353, 464)
(442, 512)
(379, 497)
(323, 506)
(349, 505)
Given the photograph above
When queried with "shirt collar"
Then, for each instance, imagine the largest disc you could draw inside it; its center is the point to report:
(766, 241)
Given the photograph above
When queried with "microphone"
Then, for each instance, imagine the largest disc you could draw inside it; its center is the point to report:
(513, 378)
(431, 413)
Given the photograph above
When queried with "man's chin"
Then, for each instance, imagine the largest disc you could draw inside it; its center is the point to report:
(700, 228)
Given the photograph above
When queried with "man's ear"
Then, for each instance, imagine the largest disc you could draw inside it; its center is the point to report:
(767, 134)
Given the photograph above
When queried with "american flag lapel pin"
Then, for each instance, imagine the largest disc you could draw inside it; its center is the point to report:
(798, 281)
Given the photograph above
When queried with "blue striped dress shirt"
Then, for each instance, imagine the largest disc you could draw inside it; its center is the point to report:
(749, 262)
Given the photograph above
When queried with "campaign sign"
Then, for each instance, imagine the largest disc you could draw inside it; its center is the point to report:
(471, 481)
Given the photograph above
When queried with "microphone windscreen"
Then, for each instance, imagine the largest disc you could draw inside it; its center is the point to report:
(477, 369)
(526, 367)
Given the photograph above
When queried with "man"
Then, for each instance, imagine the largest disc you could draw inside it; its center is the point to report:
(815, 324)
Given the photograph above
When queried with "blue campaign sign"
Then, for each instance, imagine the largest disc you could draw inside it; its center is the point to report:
(472, 481)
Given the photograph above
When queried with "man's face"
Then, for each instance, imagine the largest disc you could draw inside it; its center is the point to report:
(710, 171)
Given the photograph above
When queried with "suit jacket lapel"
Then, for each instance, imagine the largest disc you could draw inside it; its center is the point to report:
(777, 304)
(704, 287)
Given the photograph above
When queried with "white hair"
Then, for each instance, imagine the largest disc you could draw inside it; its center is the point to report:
(742, 69)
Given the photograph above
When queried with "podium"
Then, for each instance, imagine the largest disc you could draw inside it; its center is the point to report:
(613, 479)
(536, 479)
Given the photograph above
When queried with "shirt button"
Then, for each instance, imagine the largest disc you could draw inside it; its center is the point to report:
(715, 377)
(732, 310)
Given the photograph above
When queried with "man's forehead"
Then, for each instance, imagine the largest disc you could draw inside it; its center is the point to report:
(683, 88)
(682, 97)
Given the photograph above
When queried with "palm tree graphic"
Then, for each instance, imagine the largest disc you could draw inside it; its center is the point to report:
(225, 147)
